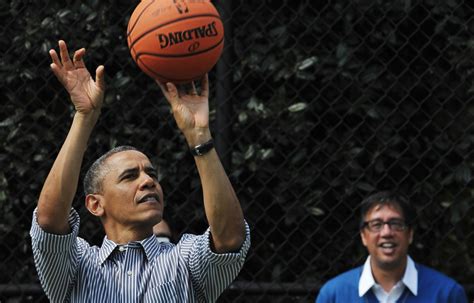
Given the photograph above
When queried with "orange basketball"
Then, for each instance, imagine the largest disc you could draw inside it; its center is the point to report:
(175, 40)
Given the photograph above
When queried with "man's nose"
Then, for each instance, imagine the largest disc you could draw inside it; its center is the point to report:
(386, 230)
(147, 182)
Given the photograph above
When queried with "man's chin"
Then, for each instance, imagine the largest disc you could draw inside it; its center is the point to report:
(151, 218)
(389, 262)
(156, 217)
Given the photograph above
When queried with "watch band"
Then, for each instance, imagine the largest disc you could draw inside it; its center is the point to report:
(202, 149)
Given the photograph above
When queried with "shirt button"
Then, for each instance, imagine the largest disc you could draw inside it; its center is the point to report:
(121, 248)
(129, 272)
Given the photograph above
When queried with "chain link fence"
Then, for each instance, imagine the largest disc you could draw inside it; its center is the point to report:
(314, 105)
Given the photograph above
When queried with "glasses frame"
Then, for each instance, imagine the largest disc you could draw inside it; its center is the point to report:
(391, 225)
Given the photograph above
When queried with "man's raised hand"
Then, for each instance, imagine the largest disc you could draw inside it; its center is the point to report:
(86, 94)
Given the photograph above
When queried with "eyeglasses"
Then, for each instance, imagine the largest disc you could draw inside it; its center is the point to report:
(377, 225)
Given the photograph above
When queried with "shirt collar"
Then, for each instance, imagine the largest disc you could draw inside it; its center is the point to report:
(106, 249)
(150, 245)
(410, 278)
(366, 280)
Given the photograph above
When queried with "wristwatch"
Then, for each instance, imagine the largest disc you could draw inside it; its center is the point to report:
(202, 149)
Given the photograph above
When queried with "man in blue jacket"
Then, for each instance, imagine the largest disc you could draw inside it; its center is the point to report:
(389, 275)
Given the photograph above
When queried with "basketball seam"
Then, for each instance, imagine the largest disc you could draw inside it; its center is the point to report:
(137, 55)
(170, 22)
(138, 18)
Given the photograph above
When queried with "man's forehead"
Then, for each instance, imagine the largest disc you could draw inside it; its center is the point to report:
(390, 207)
(127, 159)
(128, 155)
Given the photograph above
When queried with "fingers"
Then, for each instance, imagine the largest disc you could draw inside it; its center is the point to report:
(63, 67)
(162, 87)
(100, 77)
(168, 89)
(187, 89)
(64, 53)
(56, 71)
(205, 86)
(182, 89)
(56, 64)
(77, 58)
(192, 89)
(55, 58)
(65, 61)
(172, 93)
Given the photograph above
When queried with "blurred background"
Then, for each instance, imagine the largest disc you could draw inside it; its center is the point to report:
(314, 105)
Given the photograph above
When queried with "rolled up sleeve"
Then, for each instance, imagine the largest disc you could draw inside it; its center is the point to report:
(211, 272)
(56, 257)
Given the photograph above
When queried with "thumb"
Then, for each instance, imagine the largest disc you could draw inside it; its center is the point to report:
(100, 77)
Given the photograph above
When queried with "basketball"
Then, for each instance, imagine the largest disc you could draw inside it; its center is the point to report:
(175, 40)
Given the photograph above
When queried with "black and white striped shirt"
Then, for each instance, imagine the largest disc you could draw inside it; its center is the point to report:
(70, 270)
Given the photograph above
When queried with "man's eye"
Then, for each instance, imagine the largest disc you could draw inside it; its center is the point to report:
(376, 225)
(153, 173)
(397, 224)
(128, 177)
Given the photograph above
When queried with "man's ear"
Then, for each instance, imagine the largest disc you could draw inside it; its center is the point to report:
(362, 236)
(411, 232)
(94, 204)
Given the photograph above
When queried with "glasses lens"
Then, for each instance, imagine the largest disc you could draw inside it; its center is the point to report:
(377, 225)
(397, 225)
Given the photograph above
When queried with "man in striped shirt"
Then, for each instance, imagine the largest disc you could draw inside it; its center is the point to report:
(122, 189)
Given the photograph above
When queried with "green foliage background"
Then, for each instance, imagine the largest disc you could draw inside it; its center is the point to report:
(330, 101)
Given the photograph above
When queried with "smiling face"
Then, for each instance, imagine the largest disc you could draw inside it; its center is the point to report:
(388, 248)
(131, 196)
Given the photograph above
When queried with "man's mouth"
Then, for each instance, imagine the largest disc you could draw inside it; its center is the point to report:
(152, 197)
(388, 247)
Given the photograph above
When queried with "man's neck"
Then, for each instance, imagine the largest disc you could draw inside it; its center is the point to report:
(389, 276)
(124, 235)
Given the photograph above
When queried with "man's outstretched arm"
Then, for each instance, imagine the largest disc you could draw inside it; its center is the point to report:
(58, 191)
(223, 210)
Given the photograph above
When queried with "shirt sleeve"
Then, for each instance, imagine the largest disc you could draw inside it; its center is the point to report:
(210, 272)
(457, 294)
(324, 296)
(56, 257)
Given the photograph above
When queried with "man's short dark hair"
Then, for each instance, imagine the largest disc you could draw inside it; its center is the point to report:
(390, 198)
(95, 174)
